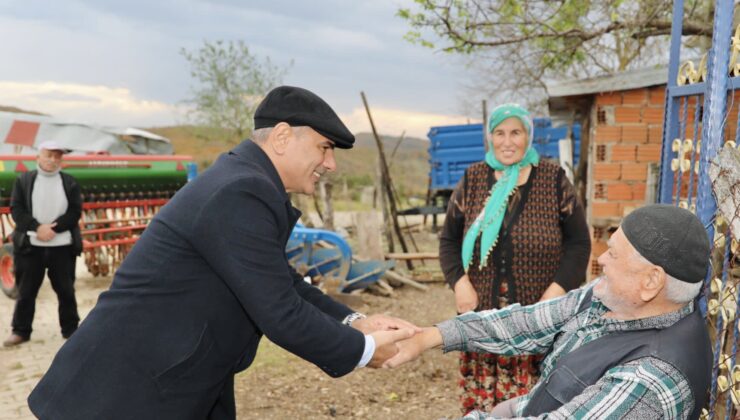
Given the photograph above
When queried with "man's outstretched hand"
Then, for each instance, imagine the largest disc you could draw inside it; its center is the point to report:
(385, 344)
(380, 322)
(412, 348)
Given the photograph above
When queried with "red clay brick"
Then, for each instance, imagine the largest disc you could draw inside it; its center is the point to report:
(647, 153)
(607, 171)
(623, 152)
(609, 98)
(634, 171)
(638, 190)
(657, 96)
(635, 97)
(599, 191)
(627, 115)
(619, 191)
(635, 133)
(655, 133)
(605, 209)
(608, 133)
(652, 115)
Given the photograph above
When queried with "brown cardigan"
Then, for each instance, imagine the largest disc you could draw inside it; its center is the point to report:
(544, 237)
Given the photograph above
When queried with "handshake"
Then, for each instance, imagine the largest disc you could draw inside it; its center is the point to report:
(396, 341)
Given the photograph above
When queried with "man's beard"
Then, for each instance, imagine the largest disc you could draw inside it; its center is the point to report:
(607, 298)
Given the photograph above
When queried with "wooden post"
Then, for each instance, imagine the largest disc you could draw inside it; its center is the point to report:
(387, 182)
(395, 149)
(317, 207)
(380, 195)
(328, 219)
(405, 280)
(369, 245)
(484, 107)
(428, 199)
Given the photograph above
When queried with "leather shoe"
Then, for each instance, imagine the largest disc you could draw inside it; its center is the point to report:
(14, 340)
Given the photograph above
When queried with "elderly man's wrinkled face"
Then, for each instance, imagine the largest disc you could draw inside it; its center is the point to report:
(49, 160)
(311, 156)
(619, 287)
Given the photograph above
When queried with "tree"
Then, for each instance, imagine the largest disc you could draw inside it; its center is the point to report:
(230, 84)
(517, 45)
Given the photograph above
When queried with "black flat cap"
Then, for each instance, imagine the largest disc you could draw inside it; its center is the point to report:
(300, 107)
(671, 237)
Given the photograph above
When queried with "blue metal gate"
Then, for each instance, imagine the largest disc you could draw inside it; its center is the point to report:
(701, 118)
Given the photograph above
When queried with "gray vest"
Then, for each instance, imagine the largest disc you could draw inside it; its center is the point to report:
(685, 345)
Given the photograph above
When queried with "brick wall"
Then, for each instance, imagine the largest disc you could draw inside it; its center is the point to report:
(626, 138)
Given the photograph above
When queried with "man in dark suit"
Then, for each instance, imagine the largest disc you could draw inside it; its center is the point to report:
(208, 278)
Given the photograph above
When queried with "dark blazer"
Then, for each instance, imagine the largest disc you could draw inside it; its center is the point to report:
(189, 304)
(21, 208)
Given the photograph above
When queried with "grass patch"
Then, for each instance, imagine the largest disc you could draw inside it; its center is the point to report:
(270, 356)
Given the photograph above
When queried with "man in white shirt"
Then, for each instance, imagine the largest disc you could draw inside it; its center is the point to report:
(46, 206)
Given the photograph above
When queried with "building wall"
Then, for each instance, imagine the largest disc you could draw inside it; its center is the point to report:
(624, 144)
(627, 131)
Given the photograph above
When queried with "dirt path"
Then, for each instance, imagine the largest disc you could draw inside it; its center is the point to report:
(21, 367)
(280, 385)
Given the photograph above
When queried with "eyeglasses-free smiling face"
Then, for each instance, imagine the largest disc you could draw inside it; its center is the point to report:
(509, 141)
(619, 286)
(309, 157)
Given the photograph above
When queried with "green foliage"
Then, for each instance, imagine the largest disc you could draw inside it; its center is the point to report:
(555, 36)
(230, 83)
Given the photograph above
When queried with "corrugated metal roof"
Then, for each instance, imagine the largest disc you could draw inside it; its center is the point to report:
(21, 133)
(633, 79)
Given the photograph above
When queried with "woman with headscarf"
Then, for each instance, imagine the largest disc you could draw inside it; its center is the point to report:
(514, 233)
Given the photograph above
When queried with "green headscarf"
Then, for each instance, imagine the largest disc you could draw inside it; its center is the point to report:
(488, 222)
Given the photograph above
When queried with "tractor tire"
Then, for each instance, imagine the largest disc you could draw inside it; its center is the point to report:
(7, 271)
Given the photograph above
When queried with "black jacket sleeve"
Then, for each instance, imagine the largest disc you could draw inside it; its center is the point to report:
(576, 238)
(250, 258)
(19, 209)
(70, 219)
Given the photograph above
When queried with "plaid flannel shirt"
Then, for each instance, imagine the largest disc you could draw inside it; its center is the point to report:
(646, 388)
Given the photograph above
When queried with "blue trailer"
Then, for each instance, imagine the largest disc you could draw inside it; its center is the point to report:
(453, 148)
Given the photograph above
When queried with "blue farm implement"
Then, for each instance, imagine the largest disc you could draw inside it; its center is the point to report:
(325, 254)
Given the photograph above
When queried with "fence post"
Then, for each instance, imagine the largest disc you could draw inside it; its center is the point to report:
(670, 117)
(715, 103)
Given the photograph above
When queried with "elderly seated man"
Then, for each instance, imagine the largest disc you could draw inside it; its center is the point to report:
(630, 345)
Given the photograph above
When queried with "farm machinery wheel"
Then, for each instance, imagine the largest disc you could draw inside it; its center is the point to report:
(7, 272)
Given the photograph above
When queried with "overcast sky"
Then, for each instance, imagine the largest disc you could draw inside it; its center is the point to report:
(118, 62)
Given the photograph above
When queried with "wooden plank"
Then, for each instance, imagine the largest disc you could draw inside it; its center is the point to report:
(412, 256)
(405, 280)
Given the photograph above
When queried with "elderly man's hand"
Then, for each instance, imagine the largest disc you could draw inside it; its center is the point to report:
(379, 322)
(409, 350)
(45, 232)
(385, 345)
